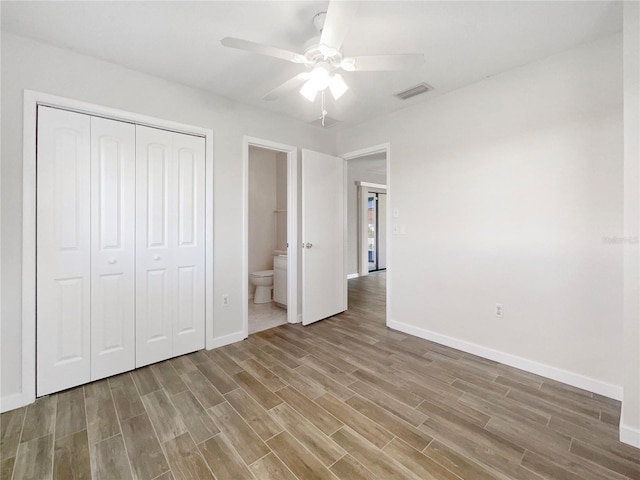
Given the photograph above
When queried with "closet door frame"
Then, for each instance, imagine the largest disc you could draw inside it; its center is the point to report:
(33, 99)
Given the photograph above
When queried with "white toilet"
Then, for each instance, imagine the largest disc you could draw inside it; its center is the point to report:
(263, 280)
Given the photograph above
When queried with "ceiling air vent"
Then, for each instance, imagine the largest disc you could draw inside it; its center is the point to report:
(413, 91)
(328, 122)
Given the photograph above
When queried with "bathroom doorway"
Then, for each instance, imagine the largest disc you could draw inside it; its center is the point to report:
(270, 280)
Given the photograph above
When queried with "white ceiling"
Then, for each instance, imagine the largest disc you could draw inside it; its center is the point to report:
(462, 42)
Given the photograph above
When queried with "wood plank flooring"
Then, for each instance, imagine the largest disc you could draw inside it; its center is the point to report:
(345, 398)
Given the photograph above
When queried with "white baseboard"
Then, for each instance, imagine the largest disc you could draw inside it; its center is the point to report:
(226, 340)
(352, 275)
(548, 371)
(13, 401)
(17, 400)
(630, 435)
(299, 318)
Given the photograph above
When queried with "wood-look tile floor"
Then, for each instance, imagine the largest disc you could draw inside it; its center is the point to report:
(344, 398)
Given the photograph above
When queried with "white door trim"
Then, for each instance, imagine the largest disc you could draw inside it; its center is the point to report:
(29, 189)
(373, 186)
(383, 147)
(292, 226)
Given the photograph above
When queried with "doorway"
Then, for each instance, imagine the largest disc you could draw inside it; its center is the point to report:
(267, 245)
(303, 210)
(270, 260)
(368, 204)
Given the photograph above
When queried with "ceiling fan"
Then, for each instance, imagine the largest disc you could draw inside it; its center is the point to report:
(323, 57)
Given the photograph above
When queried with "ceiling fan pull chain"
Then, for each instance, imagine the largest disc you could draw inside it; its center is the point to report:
(324, 111)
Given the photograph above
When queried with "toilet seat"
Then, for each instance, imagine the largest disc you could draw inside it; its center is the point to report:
(262, 273)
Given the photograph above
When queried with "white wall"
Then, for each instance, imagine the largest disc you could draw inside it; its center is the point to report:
(630, 419)
(27, 64)
(357, 170)
(507, 188)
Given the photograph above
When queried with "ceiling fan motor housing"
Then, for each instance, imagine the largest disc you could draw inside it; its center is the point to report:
(315, 52)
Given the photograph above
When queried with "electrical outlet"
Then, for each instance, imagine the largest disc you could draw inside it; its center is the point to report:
(225, 300)
(499, 310)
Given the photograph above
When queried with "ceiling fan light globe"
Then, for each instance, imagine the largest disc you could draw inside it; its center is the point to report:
(309, 91)
(337, 86)
(319, 76)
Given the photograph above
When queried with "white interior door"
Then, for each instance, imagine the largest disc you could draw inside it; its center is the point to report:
(188, 242)
(170, 267)
(324, 284)
(112, 247)
(63, 253)
(155, 277)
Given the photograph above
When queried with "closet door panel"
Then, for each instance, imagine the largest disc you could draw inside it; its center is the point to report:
(113, 247)
(189, 235)
(155, 272)
(63, 250)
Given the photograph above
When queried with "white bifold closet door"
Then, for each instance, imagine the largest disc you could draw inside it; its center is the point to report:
(63, 257)
(170, 265)
(120, 247)
(85, 249)
(113, 170)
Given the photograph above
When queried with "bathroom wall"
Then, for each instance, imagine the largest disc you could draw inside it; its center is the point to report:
(267, 193)
(370, 169)
(281, 201)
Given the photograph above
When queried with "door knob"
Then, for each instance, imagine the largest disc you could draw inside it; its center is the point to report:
(308, 245)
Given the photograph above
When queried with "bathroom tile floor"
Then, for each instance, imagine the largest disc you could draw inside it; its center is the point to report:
(263, 316)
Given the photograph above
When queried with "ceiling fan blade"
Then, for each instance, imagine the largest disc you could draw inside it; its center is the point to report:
(336, 23)
(384, 62)
(263, 49)
(287, 86)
